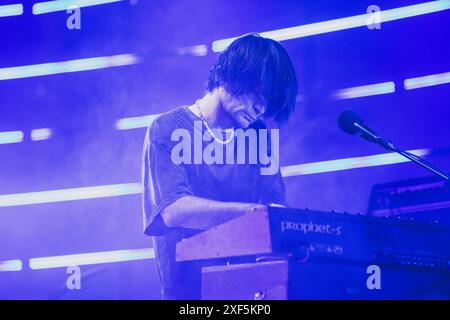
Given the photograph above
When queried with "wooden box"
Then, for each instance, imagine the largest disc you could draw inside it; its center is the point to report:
(249, 281)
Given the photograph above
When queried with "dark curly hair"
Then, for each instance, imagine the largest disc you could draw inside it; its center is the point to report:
(253, 64)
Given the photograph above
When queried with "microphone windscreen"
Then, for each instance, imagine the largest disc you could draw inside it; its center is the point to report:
(346, 121)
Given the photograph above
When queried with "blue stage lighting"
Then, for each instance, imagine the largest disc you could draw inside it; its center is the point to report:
(45, 69)
(41, 134)
(364, 91)
(63, 5)
(343, 23)
(427, 81)
(135, 122)
(11, 137)
(113, 190)
(91, 258)
(11, 265)
(348, 163)
(11, 10)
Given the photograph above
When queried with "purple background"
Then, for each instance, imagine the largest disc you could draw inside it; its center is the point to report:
(86, 150)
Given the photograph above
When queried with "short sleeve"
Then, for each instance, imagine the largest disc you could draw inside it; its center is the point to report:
(163, 181)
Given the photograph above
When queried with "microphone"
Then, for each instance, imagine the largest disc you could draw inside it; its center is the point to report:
(352, 123)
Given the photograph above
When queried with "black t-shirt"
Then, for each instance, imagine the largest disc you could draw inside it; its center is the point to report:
(164, 182)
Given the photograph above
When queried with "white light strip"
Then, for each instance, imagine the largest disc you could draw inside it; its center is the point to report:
(348, 163)
(11, 137)
(114, 190)
(41, 134)
(343, 23)
(427, 81)
(197, 51)
(10, 265)
(45, 69)
(135, 122)
(63, 5)
(11, 10)
(92, 258)
(364, 91)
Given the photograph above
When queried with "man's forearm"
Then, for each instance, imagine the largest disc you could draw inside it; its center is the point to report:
(200, 213)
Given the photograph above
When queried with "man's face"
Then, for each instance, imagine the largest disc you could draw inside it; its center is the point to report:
(244, 109)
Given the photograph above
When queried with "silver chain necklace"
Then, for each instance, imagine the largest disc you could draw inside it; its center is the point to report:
(209, 129)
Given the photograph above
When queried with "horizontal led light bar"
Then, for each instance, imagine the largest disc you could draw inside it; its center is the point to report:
(10, 10)
(91, 258)
(41, 134)
(198, 51)
(348, 163)
(45, 69)
(343, 23)
(113, 190)
(135, 122)
(11, 137)
(365, 91)
(63, 5)
(10, 265)
(427, 81)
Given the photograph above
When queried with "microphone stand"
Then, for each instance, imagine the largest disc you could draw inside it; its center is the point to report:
(388, 145)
